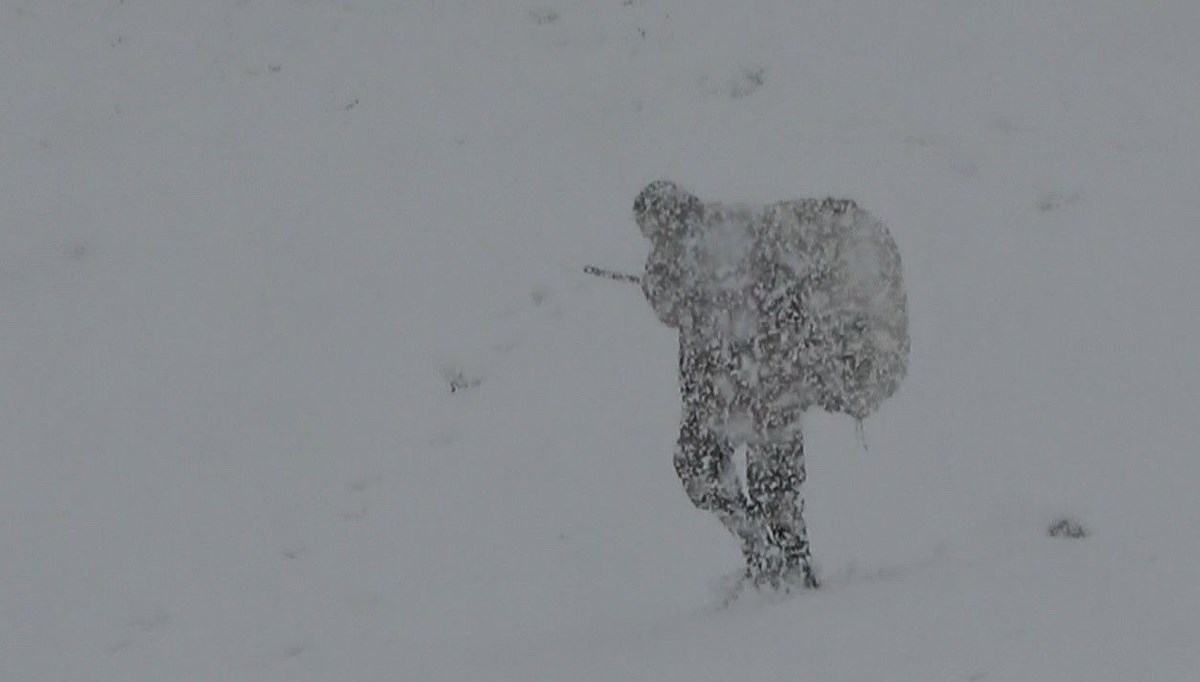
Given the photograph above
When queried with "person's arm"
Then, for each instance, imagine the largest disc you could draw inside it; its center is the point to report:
(663, 285)
(664, 292)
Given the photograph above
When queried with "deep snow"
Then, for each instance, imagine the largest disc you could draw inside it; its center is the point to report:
(246, 244)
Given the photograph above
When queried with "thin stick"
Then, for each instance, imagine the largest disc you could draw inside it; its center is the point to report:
(612, 274)
(860, 434)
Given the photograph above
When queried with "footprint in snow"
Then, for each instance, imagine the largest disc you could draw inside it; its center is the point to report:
(1052, 201)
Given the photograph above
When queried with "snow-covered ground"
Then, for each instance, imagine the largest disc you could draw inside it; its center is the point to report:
(247, 246)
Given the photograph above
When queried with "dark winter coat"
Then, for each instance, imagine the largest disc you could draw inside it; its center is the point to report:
(779, 308)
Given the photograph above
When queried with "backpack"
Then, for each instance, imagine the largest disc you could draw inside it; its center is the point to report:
(836, 298)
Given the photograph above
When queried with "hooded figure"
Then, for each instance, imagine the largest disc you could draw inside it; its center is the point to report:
(779, 309)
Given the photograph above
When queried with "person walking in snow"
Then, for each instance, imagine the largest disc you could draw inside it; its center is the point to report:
(779, 309)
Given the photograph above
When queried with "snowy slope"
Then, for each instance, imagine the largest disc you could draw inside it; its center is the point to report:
(247, 245)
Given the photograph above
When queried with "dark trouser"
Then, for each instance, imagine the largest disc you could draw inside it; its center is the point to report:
(768, 518)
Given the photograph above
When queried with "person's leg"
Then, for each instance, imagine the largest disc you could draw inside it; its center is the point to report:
(774, 473)
(703, 461)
